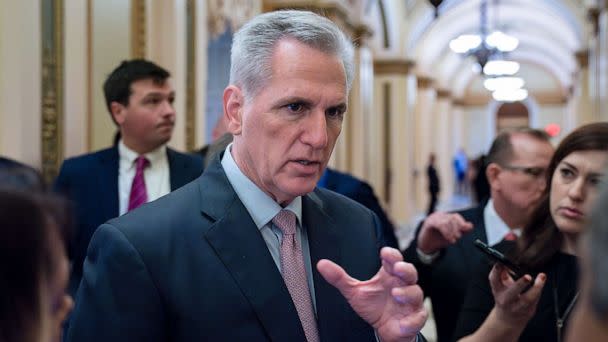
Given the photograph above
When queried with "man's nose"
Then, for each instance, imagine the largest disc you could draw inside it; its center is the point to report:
(167, 109)
(315, 130)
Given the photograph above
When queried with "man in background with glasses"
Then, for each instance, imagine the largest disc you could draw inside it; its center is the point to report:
(443, 250)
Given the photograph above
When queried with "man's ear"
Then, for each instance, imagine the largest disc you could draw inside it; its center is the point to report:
(492, 173)
(234, 102)
(117, 110)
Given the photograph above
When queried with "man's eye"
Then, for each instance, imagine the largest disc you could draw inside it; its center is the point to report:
(295, 107)
(335, 113)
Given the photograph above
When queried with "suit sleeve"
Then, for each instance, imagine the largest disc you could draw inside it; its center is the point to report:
(424, 271)
(477, 305)
(117, 299)
(365, 195)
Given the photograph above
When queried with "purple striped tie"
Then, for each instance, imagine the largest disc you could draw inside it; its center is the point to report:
(294, 274)
(139, 195)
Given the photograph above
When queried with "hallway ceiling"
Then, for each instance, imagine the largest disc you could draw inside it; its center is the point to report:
(551, 32)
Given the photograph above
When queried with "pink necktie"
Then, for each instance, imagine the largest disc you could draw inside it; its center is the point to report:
(510, 236)
(138, 195)
(294, 273)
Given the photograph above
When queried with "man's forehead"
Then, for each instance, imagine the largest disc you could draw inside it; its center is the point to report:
(150, 85)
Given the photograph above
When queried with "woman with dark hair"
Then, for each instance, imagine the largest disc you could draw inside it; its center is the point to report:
(33, 268)
(499, 308)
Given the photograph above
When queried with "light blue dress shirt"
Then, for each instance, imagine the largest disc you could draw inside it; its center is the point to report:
(262, 209)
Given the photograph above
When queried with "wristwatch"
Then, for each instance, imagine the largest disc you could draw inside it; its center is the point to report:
(426, 259)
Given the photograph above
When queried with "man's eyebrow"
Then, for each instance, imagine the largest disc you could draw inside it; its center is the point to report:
(159, 94)
(291, 99)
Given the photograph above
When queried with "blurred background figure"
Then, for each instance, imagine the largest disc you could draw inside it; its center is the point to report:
(16, 175)
(33, 267)
(434, 186)
(461, 163)
(479, 182)
(590, 319)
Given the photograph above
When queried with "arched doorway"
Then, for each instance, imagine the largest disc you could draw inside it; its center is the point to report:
(512, 115)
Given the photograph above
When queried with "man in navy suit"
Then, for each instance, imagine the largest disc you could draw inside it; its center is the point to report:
(139, 97)
(361, 192)
(252, 250)
(443, 250)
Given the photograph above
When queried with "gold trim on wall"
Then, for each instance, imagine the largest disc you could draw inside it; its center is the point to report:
(190, 75)
(443, 93)
(582, 58)
(89, 113)
(51, 128)
(424, 82)
(393, 67)
(138, 28)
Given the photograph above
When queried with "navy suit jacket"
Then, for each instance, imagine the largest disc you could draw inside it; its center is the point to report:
(363, 193)
(446, 280)
(193, 266)
(91, 183)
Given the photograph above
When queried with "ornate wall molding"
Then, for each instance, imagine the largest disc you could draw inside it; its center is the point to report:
(443, 94)
(51, 134)
(340, 12)
(424, 82)
(394, 67)
(459, 103)
(582, 58)
(223, 14)
(191, 74)
(138, 28)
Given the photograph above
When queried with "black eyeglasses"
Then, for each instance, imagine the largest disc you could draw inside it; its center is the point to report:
(533, 171)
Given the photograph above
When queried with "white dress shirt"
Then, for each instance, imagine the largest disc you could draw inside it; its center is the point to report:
(496, 228)
(156, 175)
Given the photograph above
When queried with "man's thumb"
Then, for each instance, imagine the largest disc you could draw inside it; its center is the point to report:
(335, 275)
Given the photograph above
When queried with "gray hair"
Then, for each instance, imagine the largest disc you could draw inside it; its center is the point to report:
(254, 43)
(597, 249)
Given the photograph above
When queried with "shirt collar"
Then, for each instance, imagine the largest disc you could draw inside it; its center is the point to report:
(496, 228)
(261, 207)
(129, 155)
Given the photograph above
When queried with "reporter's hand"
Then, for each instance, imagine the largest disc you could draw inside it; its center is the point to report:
(440, 230)
(512, 306)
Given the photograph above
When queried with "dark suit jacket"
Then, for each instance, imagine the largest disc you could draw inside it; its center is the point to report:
(192, 266)
(446, 280)
(363, 193)
(91, 183)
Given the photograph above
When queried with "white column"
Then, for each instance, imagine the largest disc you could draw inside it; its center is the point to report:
(393, 146)
(360, 112)
(441, 127)
(76, 78)
(167, 47)
(583, 92)
(603, 64)
(424, 137)
(20, 87)
(110, 45)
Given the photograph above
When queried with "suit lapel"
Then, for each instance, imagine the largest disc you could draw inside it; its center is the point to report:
(176, 170)
(323, 242)
(107, 178)
(479, 232)
(239, 244)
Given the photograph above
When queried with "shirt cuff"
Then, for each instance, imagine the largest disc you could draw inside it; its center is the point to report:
(427, 259)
